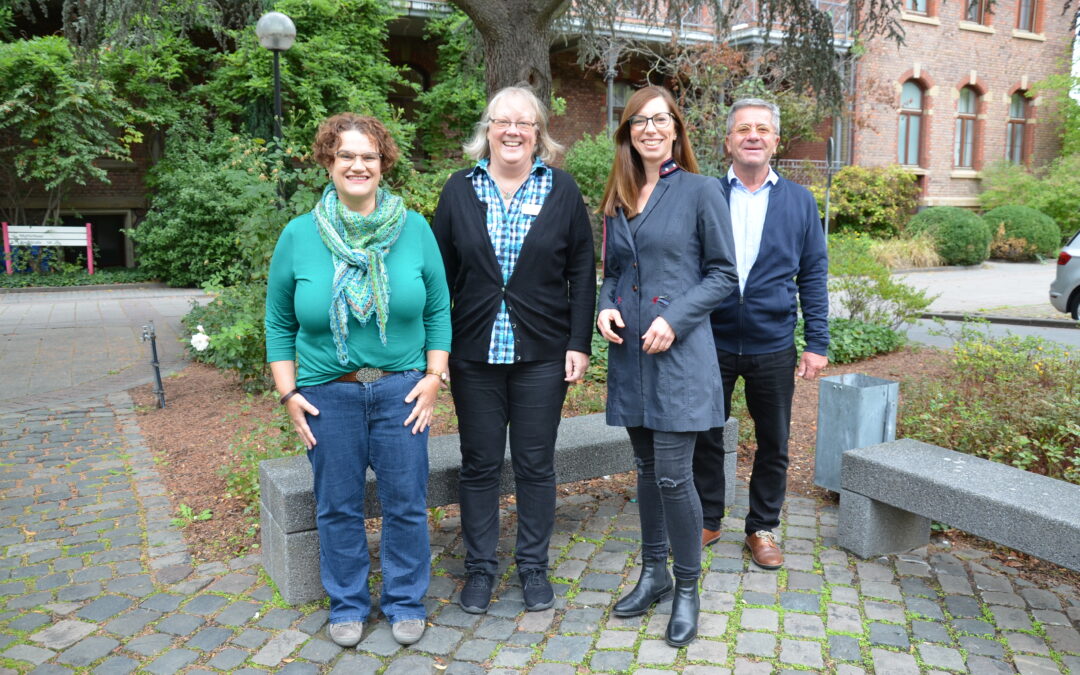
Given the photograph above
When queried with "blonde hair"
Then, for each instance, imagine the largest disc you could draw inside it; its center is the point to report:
(547, 149)
(627, 171)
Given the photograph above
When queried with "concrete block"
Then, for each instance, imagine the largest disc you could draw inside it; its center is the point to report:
(292, 561)
(870, 528)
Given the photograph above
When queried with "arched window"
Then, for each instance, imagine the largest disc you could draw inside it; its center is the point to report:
(964, 140)
(1014, 138)
(909, 142)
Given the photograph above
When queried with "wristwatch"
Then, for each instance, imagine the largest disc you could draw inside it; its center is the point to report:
(441, 374)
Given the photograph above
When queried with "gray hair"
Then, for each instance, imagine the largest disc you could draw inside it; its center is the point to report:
(547, 149)
(754, 103)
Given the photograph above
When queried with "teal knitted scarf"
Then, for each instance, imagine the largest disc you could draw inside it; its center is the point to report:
(358, 245)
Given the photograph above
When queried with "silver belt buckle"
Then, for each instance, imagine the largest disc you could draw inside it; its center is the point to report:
(368, 375)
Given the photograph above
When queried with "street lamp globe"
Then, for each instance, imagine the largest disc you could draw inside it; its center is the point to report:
(276, 31)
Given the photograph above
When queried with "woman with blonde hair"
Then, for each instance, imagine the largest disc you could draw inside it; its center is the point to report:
(668, 262)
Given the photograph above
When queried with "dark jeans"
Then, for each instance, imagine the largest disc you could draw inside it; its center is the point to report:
(528, 397)
(770, 385)
(361, 425)
(667, 502)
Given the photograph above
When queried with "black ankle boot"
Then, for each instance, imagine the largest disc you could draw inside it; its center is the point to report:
(652, 587)
(682, 627)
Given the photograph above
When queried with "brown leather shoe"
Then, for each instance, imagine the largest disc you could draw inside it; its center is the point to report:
(709, 537)
(764, 551)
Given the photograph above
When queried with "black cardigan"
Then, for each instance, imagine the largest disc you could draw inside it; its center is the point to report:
(550, 296)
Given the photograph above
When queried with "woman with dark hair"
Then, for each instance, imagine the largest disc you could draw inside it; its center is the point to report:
(358, 338)
(518, 251)
(668, 262)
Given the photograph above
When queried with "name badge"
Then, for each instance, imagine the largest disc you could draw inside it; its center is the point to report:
(530, 209)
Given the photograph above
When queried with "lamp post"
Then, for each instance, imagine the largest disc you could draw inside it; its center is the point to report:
(277, 33)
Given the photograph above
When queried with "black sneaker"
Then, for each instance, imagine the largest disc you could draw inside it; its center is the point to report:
(476, 595)
(536, 590)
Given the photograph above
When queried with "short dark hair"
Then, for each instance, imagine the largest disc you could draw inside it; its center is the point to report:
(328, 138)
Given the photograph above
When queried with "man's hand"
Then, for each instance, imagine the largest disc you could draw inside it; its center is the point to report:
(810, 365)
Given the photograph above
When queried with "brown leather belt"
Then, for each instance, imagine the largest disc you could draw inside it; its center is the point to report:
(365, 375)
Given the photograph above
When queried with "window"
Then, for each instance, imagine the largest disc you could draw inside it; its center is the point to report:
(1014, 138)
(964, 140)
(916, 6)
(976, 11)
(1025, 15)
(911, 113)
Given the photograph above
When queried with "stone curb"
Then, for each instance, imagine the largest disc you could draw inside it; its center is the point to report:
(1006, 320)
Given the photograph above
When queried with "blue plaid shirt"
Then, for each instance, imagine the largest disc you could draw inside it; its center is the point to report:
(507, 227)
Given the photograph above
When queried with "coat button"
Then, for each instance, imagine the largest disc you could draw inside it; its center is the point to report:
(634, 288)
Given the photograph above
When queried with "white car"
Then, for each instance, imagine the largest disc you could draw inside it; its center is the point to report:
(1065, 289)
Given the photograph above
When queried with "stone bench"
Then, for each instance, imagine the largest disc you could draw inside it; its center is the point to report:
(891, 491)
(587, 448)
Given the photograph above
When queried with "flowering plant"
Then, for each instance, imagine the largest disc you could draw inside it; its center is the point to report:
(200, 340)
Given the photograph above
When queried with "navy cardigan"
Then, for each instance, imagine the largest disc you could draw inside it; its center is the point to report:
(792, 267)
(551, 296)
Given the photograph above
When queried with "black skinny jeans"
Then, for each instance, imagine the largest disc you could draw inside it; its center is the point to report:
(668, 505)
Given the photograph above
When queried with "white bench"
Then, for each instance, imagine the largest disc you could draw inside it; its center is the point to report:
(46, 235)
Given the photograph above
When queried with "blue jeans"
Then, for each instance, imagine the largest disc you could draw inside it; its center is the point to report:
(668, 505)
(361, 425)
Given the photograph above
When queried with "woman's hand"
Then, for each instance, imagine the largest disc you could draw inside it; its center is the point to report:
(296, 407)
(659, 337)
(424, 393)
(604, 320)
(576, 364)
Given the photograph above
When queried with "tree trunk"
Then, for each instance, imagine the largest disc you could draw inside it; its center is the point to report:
(517, 40)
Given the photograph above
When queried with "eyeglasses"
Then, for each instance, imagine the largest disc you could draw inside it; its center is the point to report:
(744, 129)
(659, 120)
(502, 124)
(349, 158)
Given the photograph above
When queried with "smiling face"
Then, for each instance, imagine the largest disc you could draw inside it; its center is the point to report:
(652, 144)
(356, 181)
(512, 148)
(752, 140)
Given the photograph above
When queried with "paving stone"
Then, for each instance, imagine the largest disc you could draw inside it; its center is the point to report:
(514, 657)
(567, 648)
(893, 663)
(574, 621)
(209, 639)
(961, 606)
(116, 665)
(843, 619)
(1023, 642)
(801, 602)
(611, 661)
(238, 613)
(844, 595)
(357, 664)
(992, 582)
(805, 625)
(319, 651)
(29, 653)
(755, 644)
(162, 602)
(205, 605)
(711, 651)
(844, 648)
(1008, 599)
(228, 659)
(29, 622)
(745, 667)
(801, 653)
(103, 608)
(79, 592)
(1050, 617)
(51, 669)
(880, 589)
(279, 647)
(953, 584)
(87, 651)
(495, 628)
(475, 650)
(929, 631)
(1035, 665)
(180, 624)
(1010, 618)
(941, 657)
(881, 611)
(759, 619)
(975, 626)
(63, 634)
(981, 665)
(439, 640)
(889, 635)
(1063, 639)
(148, 645)
(140, 585)
(380, 641)
(171, 661)
(981, 646)
(277, 619)
(233, 584)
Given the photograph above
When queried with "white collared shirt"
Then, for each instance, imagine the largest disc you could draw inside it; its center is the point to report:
(747, 221)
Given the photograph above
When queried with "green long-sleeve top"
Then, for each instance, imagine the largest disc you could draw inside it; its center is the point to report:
(298, 305)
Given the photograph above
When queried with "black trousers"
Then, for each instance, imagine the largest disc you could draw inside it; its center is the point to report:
(769, 381)
(527, 397)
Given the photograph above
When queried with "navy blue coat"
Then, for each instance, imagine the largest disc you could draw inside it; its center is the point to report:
(676, 259)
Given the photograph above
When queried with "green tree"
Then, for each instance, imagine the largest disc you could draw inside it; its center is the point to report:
(65, 119)
(1053, 189)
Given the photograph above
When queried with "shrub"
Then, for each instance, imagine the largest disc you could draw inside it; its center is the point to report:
(589, 162)
(78, 277)
(1008, 399)
(234, 322)
(962, 238)
(862, 289)
(1054, 190)
(873, 200)
(267, 439)
(852, 340)
(906, 252)
(1021, 233)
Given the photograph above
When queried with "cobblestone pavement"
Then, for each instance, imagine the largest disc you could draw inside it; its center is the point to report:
(95, 579)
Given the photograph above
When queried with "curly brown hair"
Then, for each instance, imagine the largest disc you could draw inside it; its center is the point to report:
(328, 138)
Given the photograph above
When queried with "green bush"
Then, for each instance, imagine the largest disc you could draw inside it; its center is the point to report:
(874, 200)
(1008, 399)
(78, 277)
(962, 238)
(589, 162)
(862, 288)
(853, 340)
(1054, 190)
(234, 322)
(1021, 233)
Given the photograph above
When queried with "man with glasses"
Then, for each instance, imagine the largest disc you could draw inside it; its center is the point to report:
(782, 265)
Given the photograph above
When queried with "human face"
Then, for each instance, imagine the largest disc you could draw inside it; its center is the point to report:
(356, 181)
(654, 145)
(513, 147)
(752, 140)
